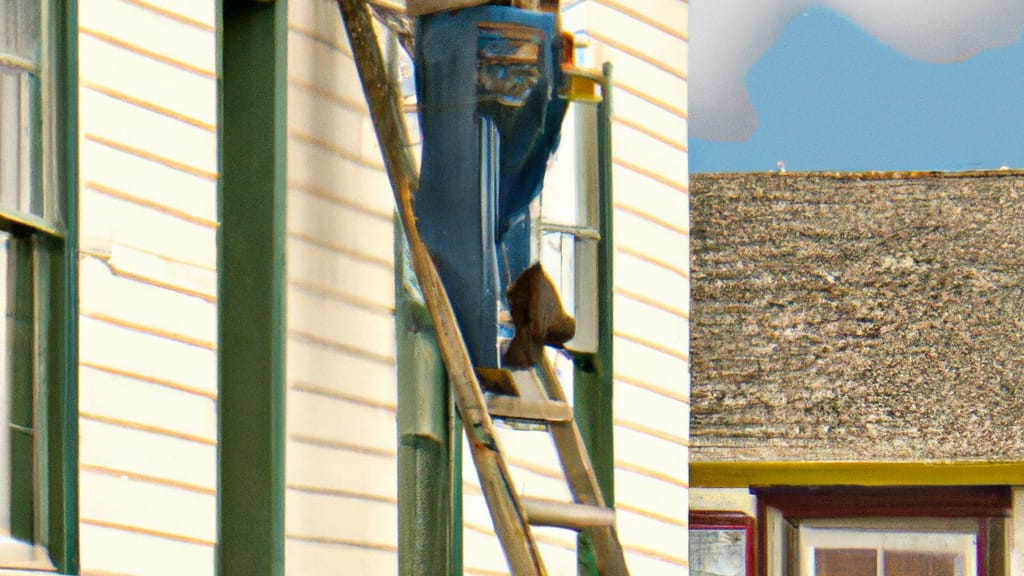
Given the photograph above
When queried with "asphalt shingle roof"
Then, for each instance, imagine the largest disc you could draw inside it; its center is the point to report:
(864, 316)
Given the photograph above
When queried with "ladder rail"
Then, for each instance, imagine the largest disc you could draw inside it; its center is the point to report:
(495, 479)
(579, 474)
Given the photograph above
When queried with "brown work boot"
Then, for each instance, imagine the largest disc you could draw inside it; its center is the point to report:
(539, 318)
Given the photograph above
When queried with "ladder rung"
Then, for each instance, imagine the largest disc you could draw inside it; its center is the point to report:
(566, 514)
(518, 408)
(497, 381)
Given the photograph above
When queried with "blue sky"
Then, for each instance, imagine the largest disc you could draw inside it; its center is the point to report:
(829, 96)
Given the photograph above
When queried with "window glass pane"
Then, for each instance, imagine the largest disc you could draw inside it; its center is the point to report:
(20, 126)
(20, 413)
(901, 563)
(718, 552)
(10, 134)
(845, 562)
(20, 166)
(937, 547)
(30, 197)
(17, 359)
(19, 28)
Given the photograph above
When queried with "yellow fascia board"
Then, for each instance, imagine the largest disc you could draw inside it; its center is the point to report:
(746, 474)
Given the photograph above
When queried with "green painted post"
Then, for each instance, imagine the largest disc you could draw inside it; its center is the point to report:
(455, 435)
(424, 439)
(603, 442)
(593, 374)
(251, 288)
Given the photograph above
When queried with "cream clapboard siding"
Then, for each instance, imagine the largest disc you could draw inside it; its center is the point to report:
(148, 285)
(341, 503)
(647, 44)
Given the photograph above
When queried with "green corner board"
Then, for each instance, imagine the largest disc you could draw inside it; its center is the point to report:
(252, 45)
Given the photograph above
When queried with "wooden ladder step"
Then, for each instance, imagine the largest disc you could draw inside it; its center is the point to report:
(566, 514)
(516, 408)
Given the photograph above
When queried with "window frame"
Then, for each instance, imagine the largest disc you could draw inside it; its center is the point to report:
(781, 510)
(49, 272)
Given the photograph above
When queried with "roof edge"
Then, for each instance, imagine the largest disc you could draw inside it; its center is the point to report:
(848, 473)
(872, 175)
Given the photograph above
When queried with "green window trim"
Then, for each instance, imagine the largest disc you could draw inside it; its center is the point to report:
(62, 505)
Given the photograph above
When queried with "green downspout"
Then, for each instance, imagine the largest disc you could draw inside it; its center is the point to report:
(593, 374)
(251, 288)
(455, 487)
(427, 528)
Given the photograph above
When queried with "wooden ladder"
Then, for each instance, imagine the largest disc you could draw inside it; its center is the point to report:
(532, 393)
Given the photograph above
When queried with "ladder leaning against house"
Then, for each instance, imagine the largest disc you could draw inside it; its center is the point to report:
(531, 392)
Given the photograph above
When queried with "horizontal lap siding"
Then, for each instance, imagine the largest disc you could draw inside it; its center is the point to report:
(341, 503)
(129, 551)
(647, 45)
(148, 286)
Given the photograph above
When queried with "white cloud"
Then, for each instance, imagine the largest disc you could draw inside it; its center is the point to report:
(729, 36)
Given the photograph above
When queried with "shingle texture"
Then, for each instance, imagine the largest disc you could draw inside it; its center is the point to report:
(869, 316)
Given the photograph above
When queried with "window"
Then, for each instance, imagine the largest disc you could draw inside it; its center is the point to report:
(888, 548)
(35, 310)
(890, 531)
(721, 543)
